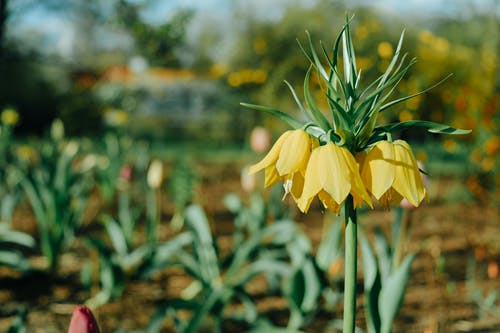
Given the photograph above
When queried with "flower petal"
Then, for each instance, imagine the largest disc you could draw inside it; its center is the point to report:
(334, 173)
(329, 203)
(312, 182)
(358, 189)
(272, 156)
(378, 169)
(271, 176)
(294, 152)
(408, 181)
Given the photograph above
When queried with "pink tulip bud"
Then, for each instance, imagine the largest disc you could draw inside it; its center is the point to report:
(83, 321)
(126, 173)
(260, 139)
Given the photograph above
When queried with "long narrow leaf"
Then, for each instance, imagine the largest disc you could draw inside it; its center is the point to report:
(329, 247)
(392, 103)
(116, 235)
(275, 112)
(393, 292)
(316, 112)
(429, 125)
(393, 60)
(299, 103)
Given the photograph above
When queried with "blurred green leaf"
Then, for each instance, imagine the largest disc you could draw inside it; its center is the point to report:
(393, 292)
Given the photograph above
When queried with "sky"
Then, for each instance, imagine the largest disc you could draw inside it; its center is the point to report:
(57, 34)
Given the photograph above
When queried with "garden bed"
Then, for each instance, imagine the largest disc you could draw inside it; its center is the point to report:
(456, 246)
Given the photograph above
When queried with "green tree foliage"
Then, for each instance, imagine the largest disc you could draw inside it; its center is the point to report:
(155, 42)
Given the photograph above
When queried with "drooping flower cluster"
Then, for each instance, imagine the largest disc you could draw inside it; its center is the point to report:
(345, 153)
(388, 171)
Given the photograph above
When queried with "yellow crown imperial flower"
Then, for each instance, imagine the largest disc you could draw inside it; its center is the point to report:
(390, 172)
(287, 160)
(332, 174)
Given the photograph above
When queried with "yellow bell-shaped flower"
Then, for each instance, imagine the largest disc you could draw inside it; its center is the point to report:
(332, 174)
(390, 173)
(287, 160)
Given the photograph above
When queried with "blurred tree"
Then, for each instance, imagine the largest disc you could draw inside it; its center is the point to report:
(25, 88)
(157, 43)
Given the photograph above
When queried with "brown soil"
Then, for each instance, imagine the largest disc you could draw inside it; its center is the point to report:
(445, 236)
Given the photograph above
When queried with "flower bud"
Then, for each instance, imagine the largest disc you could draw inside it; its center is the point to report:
(260, 139)
(83, 321)
(155, 174)
(126, 172)
(247, 180)
(57, 130)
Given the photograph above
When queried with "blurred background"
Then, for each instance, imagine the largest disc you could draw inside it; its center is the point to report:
(116, 115)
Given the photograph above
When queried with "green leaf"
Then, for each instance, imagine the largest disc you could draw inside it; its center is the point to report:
(429, 125)
(394, 102)
(316, 112)
(233, 202)
(15, 237)
(369, 262)
(204, 244)
(195, 321)
(312, 287)
(14, 260)
(368, 106)
(116, 235)
(384, 254)
(264, 326)
(299, 103)
(135, 258)
(329, 247)
(371, 284)
(275, 112)
(393, 292)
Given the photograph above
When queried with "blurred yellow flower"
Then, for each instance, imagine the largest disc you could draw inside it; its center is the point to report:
(450, 145)
(385, 50)
(332, 174)
(487, 164)
(234, 79)
(363, 63)
(115, 117)
(492, 145)
(9, 117)
(362, 32)
(426, 37)
(260, 45)
(287, 160)
(405, 115)
(218, 70)
(27, 152)
(390, 173)
(247, 76)
(475, 156)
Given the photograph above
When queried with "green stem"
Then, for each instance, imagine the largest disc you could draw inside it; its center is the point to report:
(350, 266)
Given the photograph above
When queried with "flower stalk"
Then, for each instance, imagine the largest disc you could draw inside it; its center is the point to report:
(351, 265)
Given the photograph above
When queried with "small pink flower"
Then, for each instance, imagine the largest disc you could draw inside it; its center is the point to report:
(83, 321)
(126, 172)
(260, 139)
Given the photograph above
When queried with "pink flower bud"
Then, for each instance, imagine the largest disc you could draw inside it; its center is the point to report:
(126, 173)
(83, 321)
(260, 139)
